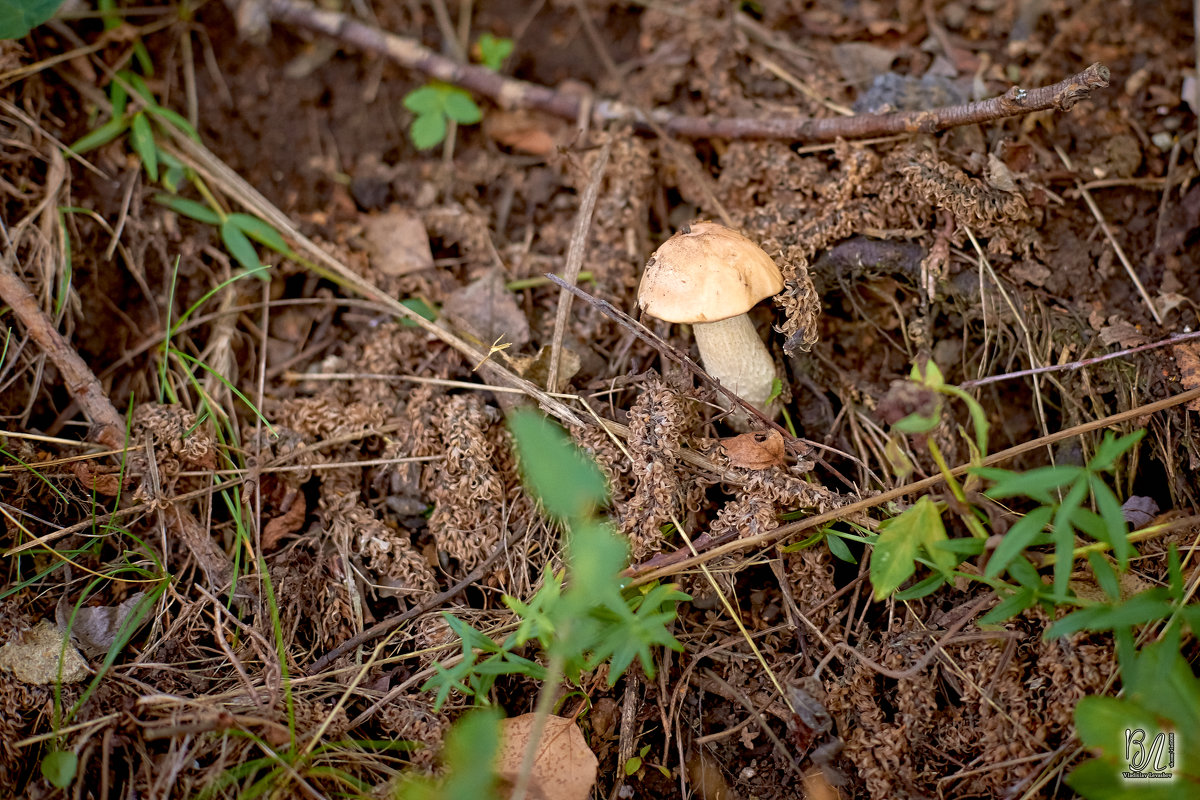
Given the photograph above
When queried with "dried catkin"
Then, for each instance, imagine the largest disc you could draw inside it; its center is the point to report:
(656, 424)
(466, 488)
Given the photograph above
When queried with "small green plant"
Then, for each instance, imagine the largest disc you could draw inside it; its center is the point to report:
(636, 765)
(492, 50)
(1130, 736)
(1134, 736)
(583, 622)
(918, 534)
(436, 103)
(144, 124)
(580, 618)
(140, 122)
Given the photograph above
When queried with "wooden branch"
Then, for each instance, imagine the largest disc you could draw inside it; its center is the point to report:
(108, 429)
(511, 93)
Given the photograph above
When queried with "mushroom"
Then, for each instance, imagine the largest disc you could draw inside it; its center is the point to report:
(710, 276)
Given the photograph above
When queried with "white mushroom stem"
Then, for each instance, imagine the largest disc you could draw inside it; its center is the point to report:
(733, 354)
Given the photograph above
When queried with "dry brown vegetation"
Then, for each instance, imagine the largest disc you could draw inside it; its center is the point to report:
(307, 429)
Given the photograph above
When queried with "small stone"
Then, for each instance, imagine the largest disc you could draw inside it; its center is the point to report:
(34, 659)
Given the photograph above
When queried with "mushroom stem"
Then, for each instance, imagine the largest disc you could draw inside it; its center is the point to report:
(732, 352)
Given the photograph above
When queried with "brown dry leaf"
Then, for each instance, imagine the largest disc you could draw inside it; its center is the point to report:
(1031, 272)
(34, 658)
(564, 767)
(818, 787)
(95, 628)
(1187, 356)
(756, 450)
(1126, 334)
(286, 523)
(522, 131)
(100, 479)
(399, 243)
(486, 309)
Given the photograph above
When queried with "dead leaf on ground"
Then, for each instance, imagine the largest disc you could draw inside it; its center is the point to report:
(101, 479)
(536, 369)
(706, 777)
(487, 310)
(95, 628)
(1122, 333)
(34, 658)
(399, 243)
(755, 450)
(564, 767)
(286, 523)
(523, 131)
(1139, 511)
(1187, 356)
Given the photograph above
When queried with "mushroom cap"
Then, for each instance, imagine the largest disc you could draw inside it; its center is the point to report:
(706, 273)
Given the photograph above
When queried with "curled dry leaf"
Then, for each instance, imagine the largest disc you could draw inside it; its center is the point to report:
(564, 767)
(95, 628)
(34, 657)
(103, 480)
(286, 523)
(757, 450)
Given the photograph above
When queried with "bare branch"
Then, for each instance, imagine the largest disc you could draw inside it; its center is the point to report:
(511, 93)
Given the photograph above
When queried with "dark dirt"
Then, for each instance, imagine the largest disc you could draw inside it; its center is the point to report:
(877, 234)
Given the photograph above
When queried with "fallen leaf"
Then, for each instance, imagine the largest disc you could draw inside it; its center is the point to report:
(1139, 511)
(1123, 333)
(755, 450)
(488, 311)
(398, 241)
(1031, 272)
(522, 131)
(34, 658)
(564, 767)
(286, 523)
(101, 479)
(707, 778)
(1187, 356)
(95, 628)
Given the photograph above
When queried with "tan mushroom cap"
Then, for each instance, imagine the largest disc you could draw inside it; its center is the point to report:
(707, 273)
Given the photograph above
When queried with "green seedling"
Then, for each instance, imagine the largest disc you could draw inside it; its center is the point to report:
(581, 617)
(436, 104)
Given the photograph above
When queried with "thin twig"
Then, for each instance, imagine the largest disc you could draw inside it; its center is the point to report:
(1087, 362)
(511, 93)
(78, 378)
(578, 246)
(666, 564)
